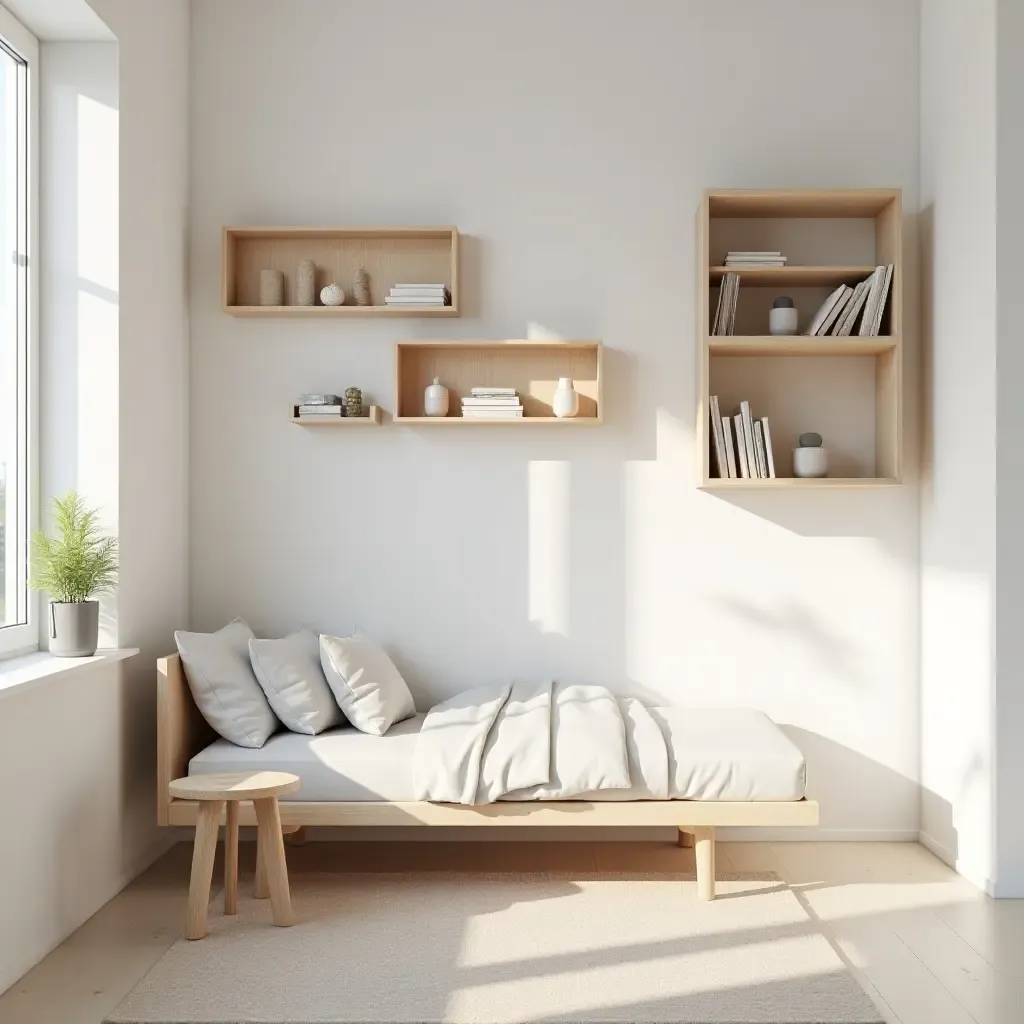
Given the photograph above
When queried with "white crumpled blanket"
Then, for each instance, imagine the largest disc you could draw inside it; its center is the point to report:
(539, 741)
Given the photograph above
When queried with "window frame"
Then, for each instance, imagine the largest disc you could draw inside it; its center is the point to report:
(25, 637)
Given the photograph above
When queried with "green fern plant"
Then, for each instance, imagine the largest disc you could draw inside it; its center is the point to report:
(81, 561)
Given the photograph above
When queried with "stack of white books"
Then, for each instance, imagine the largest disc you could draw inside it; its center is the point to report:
(320, 405)
(741, 445)
(492, 404)
(725, 312)
(753, 260)
(418, 295)
(838, 313)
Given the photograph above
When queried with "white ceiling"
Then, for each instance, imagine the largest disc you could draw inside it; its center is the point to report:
(59, 19)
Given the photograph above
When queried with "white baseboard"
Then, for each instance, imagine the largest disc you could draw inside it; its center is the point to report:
(1010, 889)
(816, 835)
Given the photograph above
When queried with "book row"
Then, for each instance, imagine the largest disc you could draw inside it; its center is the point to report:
(741, 446)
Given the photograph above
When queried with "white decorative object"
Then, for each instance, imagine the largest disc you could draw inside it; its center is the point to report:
(361, 288)
(566, 402)
(332, 295)
(782, 319)
(271, 288)
(435, 399)
(810, 462)
(305, 283)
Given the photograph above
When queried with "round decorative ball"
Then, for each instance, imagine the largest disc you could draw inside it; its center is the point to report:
(332, 295)
(810, 440)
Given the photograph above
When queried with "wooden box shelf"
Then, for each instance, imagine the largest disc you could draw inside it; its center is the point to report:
(531, 367)
(372, 419)
(390, 255)
(850, 389)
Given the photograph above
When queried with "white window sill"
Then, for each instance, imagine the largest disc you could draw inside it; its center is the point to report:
(20, 674)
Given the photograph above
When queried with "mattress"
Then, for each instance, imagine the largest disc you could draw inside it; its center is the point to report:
(733, 754)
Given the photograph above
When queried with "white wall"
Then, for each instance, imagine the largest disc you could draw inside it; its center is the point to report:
(570, 144)
(1009, 719)
(153, 369)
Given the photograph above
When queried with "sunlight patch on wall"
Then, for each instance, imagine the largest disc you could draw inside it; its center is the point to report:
(549, 546)
(98, 194)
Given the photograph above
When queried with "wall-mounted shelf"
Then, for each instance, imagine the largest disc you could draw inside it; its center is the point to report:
(373, 419)
(793, 277)
(390, 255)
(849, 389)
(797, 345)
(531, 367)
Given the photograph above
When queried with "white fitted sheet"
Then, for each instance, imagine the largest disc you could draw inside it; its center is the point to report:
(728, 754)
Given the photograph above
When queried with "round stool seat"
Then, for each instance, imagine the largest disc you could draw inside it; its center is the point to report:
(234, 786)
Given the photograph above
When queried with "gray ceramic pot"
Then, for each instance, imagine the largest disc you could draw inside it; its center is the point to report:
(74, 629)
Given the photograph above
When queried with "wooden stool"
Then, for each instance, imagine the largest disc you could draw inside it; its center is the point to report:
(229, 788)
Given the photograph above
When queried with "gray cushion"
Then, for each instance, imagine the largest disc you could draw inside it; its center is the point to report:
(368, 688)
(223, 685)
(291, 676)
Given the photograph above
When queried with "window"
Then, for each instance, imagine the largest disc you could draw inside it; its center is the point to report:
(18, 51)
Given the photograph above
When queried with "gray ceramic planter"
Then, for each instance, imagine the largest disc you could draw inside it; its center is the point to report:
(74, 629)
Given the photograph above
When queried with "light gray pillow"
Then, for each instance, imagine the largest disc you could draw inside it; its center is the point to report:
(368, 688)
(289, 672)
(223, 685)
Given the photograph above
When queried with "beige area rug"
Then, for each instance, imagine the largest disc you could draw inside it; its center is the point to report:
(500, 948)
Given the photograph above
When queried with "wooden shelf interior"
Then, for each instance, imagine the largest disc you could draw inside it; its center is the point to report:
(532, 368)
(372, 419)
(389, 255)
(847, 389)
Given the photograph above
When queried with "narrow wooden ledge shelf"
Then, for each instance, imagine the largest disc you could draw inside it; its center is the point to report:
(334, 312)
(798, 345)
(793, 277)
(519, 421)
(797, 483)
(373, 420)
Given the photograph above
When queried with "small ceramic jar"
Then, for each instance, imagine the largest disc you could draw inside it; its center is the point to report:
(435, 399)
(565, 402)
(810, 460)
(782, 318)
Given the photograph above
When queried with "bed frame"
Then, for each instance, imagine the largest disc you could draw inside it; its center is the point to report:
(182, 732)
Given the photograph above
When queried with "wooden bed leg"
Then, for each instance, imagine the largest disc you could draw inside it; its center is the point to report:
(294, 835)
(705, 843)
(685, 840)
(262, 891)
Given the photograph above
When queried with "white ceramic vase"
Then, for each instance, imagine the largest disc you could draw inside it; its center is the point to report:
(565, 402)
(435, 399)
(809, 463)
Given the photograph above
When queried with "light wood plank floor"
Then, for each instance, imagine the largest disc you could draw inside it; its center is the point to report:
(926, 945)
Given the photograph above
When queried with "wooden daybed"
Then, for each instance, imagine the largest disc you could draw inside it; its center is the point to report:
(182, 733)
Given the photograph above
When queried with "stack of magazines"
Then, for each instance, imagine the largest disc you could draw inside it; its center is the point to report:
(492, 404)
(318, 404)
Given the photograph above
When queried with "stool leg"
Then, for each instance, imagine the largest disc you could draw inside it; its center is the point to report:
(203, 853)
(705, 863)
(231, 859)
(262, 889)
(268, 819)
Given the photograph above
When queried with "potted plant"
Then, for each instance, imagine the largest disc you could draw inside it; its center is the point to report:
(73, 568)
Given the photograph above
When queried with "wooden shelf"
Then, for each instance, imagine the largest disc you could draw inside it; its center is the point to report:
(792, 482)
(372, 420)
(531, 367)
(798, 345)
(390, 255)
(856, 405)
(793, 277)
(531, 421)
